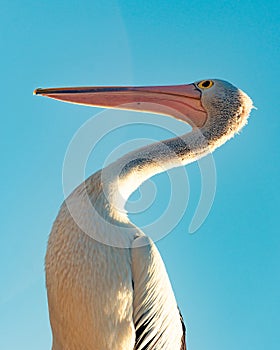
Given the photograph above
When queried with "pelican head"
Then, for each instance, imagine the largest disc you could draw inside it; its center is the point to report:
(214, 106)
(227, 107)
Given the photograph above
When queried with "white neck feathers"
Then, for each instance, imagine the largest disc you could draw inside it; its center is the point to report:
(123, 177)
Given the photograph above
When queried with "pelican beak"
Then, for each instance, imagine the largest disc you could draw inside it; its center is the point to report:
(180, 101)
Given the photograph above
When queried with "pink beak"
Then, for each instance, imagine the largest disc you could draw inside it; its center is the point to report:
(179, 101)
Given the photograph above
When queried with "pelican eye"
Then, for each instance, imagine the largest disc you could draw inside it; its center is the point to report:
(205, 84)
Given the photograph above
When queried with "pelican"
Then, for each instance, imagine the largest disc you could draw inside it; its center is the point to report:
(107, 285)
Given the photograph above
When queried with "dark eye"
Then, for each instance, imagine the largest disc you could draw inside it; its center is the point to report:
(205, 84)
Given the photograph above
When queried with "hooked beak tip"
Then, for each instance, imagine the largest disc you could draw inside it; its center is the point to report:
(37, 91)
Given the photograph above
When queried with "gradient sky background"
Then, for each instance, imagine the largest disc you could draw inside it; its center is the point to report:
(226, 275)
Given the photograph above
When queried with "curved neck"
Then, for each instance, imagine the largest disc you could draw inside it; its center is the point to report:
(121, 178)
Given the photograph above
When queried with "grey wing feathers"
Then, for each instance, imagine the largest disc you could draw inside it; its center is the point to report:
(157, 320)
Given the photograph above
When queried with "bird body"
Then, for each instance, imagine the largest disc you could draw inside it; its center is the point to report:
(107, 284)
(93, 302)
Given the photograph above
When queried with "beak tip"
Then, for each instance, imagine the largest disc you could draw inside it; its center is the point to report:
(37, 91)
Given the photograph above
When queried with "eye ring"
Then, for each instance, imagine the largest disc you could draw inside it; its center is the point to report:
(205, 84)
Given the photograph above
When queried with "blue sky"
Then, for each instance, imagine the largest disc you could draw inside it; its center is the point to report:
(226, 275)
